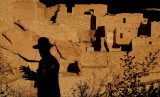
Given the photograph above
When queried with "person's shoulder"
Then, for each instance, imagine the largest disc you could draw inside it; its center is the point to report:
(53, 59)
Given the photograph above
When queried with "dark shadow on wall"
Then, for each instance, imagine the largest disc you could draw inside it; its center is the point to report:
(74, 68)
(126, 47)
(97, 44)
(144, 29)
(93, 21)
(54, 18)
(100, 32)
(87, 13)
(115, 45)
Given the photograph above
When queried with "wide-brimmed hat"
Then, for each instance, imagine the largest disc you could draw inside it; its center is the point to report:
(43, 42)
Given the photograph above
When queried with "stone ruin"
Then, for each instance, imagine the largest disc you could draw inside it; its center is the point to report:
(86, 36)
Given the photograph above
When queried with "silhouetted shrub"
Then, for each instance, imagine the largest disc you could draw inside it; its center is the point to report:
(129, 84)
(4, 66)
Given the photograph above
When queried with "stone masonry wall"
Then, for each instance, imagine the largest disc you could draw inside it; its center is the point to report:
(99, 9)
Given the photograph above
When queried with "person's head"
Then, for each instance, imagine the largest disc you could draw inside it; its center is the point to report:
(43, 46)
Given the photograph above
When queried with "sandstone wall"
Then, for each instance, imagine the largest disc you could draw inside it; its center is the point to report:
(99, 9)
(148, 44)
(155, 29)
(79, 22)
(126, 24)
(145, 44)
(13, 10)
(5, 15)
(125, 34)
(24, 10)
(99, 59)
(30, 10)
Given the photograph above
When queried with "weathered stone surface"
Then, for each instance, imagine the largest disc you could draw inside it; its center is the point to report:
(69, 50)
(25, 40)
(18, 41)
(5, 15)
(22, 22)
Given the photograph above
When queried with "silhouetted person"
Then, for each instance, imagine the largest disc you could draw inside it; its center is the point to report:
(46, 77)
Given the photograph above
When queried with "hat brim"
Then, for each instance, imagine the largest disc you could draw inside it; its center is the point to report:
(38, 47)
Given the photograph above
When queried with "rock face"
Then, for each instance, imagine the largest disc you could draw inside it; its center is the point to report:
(69, 50)
(58, 32)
(22, 22)
(5, 15)
(19, 41)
